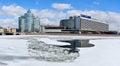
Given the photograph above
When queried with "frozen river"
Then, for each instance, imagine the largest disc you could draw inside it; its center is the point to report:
(14, 52)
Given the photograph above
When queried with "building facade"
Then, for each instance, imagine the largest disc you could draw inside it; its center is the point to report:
(83, 24)
(1, 31)
(8, 31)
(67, 23)
(29, 23)
(93, 25)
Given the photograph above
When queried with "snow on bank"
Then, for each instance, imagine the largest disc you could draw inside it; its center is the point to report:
(104, 53)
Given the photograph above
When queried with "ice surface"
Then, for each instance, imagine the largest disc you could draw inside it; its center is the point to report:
(51, 41)
(104, 53)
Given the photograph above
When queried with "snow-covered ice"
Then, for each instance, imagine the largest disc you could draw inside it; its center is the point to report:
(51, 41)
(14, 52)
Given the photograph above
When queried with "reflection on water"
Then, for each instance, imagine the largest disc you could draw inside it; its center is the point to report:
(74, 44)
(78, 43)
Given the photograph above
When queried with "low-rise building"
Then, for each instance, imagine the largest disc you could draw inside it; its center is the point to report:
(1, 31)
(53, 29)
(10, 31)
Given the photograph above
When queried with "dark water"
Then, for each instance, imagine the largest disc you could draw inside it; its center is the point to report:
(78, 43)
(74, 44)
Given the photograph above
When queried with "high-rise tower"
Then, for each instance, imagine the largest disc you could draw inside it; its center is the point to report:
(29, 23)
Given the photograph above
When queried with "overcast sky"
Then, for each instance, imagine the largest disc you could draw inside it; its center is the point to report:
(52, 11)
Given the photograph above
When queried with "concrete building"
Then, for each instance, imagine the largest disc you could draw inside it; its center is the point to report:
(83, 24)
(7, 31)
(1, 31)
(10, 31)
(29, 23)
(53, 29)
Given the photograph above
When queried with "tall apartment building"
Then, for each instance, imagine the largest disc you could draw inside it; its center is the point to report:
(29, 23)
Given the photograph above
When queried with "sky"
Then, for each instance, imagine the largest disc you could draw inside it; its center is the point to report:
(52, 11)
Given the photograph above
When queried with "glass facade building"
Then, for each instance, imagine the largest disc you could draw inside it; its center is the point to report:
(29, 23)
(36, 24)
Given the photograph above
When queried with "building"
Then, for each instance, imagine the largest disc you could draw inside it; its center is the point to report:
(36, 25)
(84, 24)
(7, 31)
(1, 30)
(10, 31)
(67, 23)
(53, 29)
(29, 23)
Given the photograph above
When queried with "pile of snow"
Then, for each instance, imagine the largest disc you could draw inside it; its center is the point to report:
(48, 52)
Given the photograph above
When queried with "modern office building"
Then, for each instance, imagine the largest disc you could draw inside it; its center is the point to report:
(36, 25)
(83, 23)
(29, 23)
